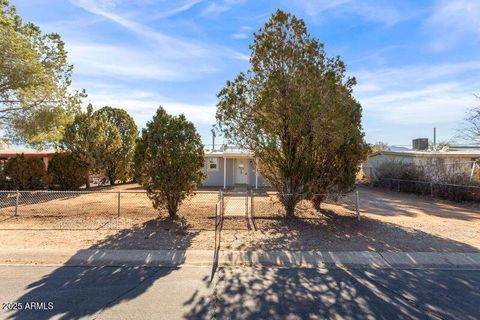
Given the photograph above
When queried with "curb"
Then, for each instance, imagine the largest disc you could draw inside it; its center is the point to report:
(288, 259)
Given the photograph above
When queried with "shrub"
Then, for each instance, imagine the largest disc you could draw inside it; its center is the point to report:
(457, 188)
(65, 172)
(170, 160)
(25, 173)
(5, 183)
(400, 170)
(433, 178)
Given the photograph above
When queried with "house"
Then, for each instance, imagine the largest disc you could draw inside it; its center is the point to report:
(6, 153)
(230, 166)
(457, 160)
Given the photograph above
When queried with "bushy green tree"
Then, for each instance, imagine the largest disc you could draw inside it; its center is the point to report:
(295, 110)
(35, 103)
(117, 157)
(25, 173)
(86, 138)
(65, 173)
(170, 159)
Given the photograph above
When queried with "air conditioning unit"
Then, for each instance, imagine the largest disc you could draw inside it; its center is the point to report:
(420, 144)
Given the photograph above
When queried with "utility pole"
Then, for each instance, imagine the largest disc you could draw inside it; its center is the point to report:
(434, 138)
(213, 139)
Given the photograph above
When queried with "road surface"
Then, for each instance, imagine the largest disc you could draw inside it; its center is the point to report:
(44, 292)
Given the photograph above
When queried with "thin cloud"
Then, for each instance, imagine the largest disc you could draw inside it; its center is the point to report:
(216, 7)
(453, 21)
(380, 11)
(142, 104)
(244, 33)
(124, 61)
(418, 95)
(175, 11)
(177, 47)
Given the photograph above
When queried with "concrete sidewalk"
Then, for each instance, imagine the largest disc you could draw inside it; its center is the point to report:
(302, 259)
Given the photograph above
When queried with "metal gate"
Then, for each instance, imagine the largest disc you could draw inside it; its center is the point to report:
(237, 205)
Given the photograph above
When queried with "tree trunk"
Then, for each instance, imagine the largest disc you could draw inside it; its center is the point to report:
(87, 180)
(289, 203)
(172, 207)
(112, 180)
(317, 201)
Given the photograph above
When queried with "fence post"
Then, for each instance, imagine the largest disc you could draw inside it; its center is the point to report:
(118, 212)
(357, 205)
(16, 202)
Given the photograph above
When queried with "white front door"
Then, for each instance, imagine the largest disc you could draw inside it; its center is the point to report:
(241, 171)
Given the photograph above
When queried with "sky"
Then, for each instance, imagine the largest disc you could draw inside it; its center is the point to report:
(417, 63)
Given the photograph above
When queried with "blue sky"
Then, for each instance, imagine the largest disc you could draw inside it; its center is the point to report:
(417, 63)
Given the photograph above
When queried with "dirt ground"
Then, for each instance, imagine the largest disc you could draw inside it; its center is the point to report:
(389, 221)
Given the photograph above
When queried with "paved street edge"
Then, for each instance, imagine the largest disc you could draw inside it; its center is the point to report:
(303, 259)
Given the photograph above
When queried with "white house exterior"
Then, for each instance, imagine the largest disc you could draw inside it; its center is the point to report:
(230, 167)
(462, 161)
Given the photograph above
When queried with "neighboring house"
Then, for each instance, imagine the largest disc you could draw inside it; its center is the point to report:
(230, 166)
(459, 161)
(7, 153)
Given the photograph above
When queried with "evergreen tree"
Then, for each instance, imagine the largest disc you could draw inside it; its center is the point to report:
(295, 110)
(170, 159)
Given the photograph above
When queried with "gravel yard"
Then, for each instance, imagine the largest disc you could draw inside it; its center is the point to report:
(389, 222)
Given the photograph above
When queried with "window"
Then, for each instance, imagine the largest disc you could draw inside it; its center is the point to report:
(212, 164)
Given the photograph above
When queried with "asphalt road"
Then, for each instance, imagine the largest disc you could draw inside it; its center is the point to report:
(42, 292)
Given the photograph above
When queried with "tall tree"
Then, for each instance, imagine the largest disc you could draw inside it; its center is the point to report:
(170, 160)
(35, 104)
(88, 137)
(116, 161)
(295, 110)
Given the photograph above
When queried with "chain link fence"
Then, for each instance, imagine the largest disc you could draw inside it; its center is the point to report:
(204, 210)
(269, 204)
(449, 191)
(107, 203)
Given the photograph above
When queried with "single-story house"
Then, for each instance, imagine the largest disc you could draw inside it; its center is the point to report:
(44, 155)
(230, 167)
(461, 161)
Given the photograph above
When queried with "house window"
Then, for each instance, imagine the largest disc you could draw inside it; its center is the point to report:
(212, 164)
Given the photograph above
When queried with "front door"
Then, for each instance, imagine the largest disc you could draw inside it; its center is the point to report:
(241, 173)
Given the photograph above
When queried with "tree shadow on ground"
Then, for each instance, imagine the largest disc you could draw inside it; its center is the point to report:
(290, 293)
(80, 292)
(334, 232)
